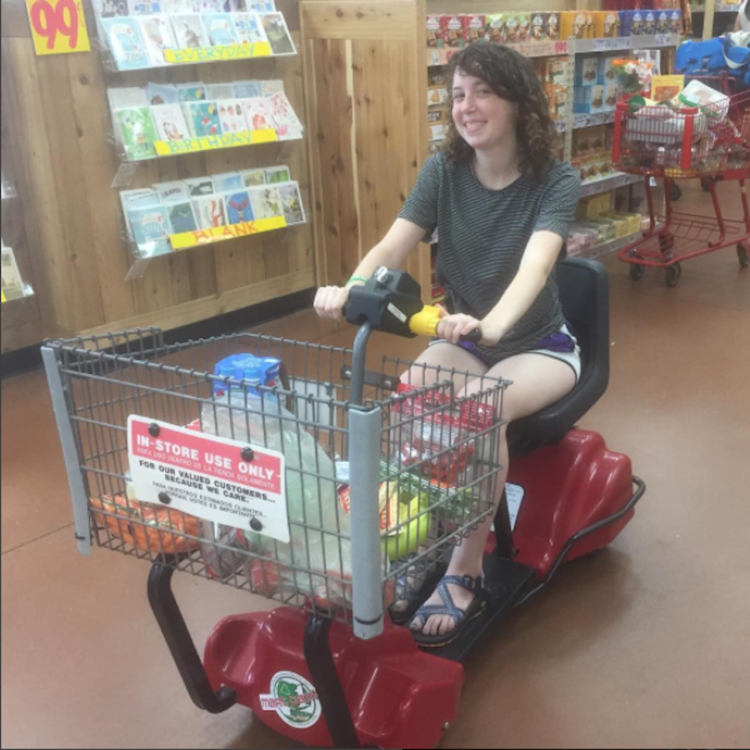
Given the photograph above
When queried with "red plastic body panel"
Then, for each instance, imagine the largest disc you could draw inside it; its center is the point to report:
(568, 487)
(398, 696)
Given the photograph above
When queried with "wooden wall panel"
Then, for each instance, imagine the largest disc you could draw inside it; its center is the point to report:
(366, 84)
(20, 318)
(59, 126)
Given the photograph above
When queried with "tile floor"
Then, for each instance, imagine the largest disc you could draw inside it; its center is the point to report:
(645, 645)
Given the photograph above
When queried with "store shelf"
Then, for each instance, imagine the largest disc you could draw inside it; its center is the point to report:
(617, 180)
(719, 8)
(201, 237)
(572, 46)
(187, 240)
(591, 121)
(211, 143)
(645, 41)
(607, 248)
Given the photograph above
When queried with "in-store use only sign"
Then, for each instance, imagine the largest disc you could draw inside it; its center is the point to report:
(220, 480)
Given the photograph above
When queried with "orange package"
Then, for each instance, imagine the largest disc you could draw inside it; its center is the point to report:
(162, 530)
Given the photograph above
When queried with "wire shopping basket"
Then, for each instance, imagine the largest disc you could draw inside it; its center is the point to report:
(299, 489)
(704, 141)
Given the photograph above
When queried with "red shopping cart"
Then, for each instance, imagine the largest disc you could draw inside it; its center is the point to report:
(708, 143)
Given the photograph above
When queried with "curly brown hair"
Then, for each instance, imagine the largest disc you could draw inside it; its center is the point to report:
(513, 78)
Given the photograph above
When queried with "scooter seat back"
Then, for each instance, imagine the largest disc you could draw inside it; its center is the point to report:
(584, 294)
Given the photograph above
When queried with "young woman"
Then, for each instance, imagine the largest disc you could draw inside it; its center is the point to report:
(502, 205)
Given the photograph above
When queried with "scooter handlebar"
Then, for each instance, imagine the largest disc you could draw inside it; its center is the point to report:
(390, 301)
(425, 323)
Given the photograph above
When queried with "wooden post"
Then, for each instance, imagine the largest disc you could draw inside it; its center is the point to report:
(708, 19)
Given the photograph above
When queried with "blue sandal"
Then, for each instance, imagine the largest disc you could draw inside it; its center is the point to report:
(460, 617)
(408, 589)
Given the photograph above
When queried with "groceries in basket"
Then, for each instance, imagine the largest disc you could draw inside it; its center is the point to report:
(404, 520)
(317, 560)
(438, 434)
(667, 122)
(149, 528)
(712, 103)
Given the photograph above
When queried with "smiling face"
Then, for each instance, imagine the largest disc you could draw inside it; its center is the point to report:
(482, 118)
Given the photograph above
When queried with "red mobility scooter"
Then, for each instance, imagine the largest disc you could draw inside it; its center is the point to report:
(415, 472)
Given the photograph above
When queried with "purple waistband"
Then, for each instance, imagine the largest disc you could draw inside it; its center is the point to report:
(559, 342)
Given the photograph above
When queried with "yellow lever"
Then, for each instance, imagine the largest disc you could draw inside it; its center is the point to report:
(425, 322)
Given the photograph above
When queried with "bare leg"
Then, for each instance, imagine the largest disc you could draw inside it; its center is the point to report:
(440, 362)
(538, 381)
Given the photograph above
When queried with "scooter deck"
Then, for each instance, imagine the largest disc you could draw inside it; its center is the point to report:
(506, 582)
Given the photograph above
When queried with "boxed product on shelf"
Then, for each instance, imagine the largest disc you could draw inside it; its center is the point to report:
(517, 27)
(588, 141)
(473, 28)
(606, 24)
(539, 27)
(553, 25)
(587, 70)
(581, 239)
(675, 21)
(626, 224)
(494, 29)
(452, 31)
(577, 24)
(437, 77)
(588, 99)
(607, 72)
(434, 31)
(606, 229)
(605, 163)
(554, 70)
(611, 96)
(437, 95)
(591, 207)
(558, 101)
(637, 22)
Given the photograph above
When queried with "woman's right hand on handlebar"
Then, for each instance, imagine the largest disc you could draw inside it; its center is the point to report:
(330, 301)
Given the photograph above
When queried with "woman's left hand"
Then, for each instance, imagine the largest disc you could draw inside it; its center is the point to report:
(453, 327)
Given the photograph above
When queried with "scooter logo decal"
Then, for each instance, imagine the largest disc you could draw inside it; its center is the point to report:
(294, 699)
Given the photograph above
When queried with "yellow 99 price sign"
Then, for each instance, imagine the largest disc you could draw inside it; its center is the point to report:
(58, 26)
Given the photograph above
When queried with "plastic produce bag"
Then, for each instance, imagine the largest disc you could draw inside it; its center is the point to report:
(317, 560)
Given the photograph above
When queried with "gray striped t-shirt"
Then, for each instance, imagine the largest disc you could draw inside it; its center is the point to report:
(482, 236)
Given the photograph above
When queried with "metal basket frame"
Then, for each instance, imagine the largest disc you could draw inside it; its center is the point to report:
(351, 413)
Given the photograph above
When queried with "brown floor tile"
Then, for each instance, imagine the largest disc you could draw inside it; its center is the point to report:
(34, 487)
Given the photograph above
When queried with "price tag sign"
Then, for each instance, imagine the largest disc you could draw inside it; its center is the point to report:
(58, 26)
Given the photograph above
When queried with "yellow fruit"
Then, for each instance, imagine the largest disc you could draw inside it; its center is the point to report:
(412, 534)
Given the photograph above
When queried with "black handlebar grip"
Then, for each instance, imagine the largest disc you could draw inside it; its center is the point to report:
(473, 337)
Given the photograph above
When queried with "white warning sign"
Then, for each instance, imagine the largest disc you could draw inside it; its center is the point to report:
(224, 481)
